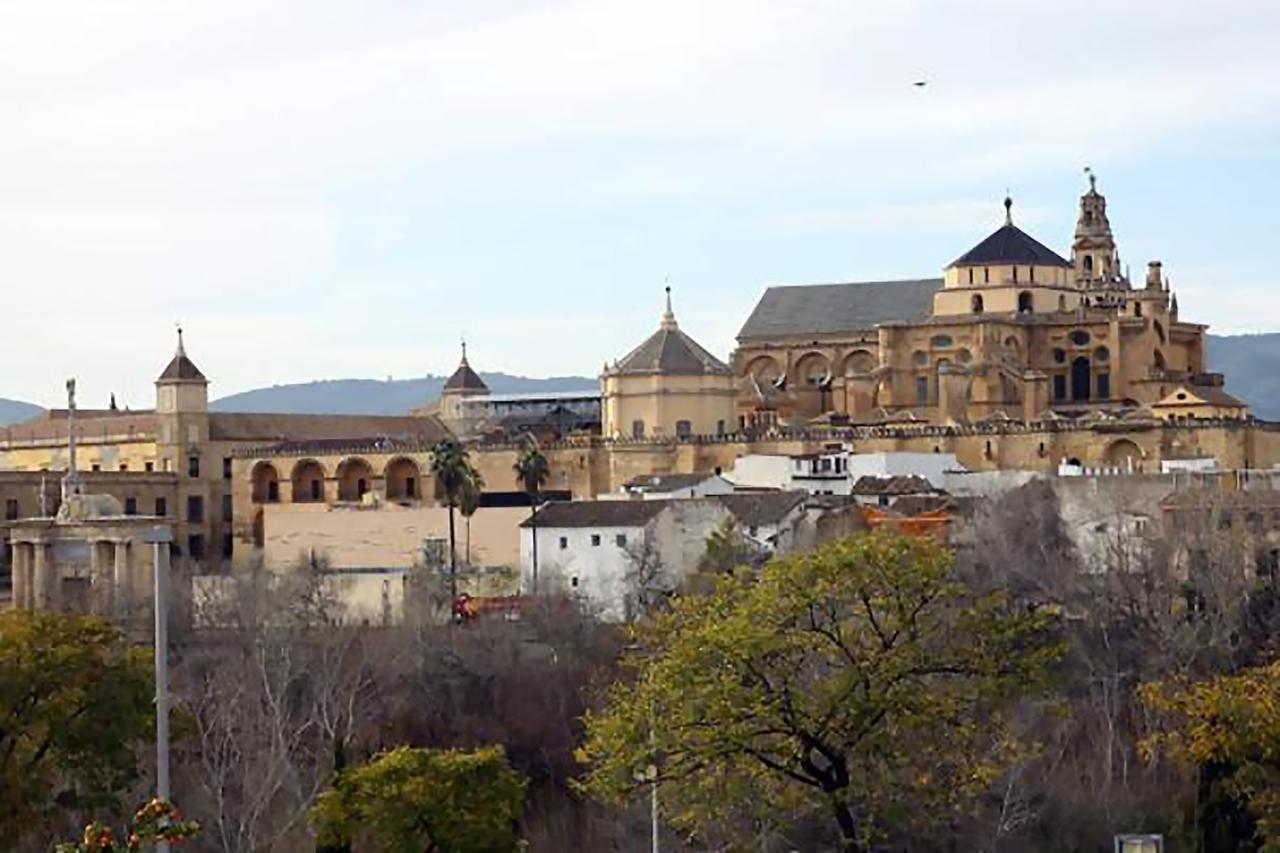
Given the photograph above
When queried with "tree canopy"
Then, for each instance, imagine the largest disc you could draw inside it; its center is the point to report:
(409, 800)
(1230, 722)
(860, 682)
(75, 701)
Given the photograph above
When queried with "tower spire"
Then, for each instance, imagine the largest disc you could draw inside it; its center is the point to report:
(1008, 208)
(464, 351)
(181, 351)
(669, 315)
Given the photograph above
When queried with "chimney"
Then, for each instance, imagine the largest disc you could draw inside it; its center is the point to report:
(1154, 279)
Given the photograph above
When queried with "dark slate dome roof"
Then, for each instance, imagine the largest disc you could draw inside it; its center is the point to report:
(1009, 244)
(464, 378)
(181, 368)
(669, 350)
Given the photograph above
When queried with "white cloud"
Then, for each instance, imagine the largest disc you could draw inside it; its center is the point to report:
(212, 161)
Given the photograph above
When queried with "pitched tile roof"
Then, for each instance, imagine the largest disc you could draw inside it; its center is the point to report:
(757, 509)
(817, 309)
(667, 482)
(246, 426)
(606, 513)
(465, 379)
(181, 368)
(1009, 244)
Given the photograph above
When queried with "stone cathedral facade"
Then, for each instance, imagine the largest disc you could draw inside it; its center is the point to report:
(1011, 330)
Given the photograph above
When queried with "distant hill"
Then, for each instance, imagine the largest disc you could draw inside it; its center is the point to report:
(374, 397)
(15, 411)
(1252, 366)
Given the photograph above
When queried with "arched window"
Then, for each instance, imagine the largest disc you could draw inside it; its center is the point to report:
(637, 428)
(1080, 383)
(976, 303)
(1024, 301)
(1088, 264)
(684, 429)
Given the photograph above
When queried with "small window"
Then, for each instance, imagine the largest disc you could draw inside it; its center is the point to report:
(1015, 273)
(1137, 309)
(1102, 354)
(1079, 337)
(620, 540)
(1060, 355)
(975, 304)
(124, 466)
(684, 429)
(1103, 386)
(193, 466)
(1059, 387)
(922, 389)
(941, 341)
(573, 581)
(195, 509)
(1024, 299)
(720, 430)
(986, 275)
(595, 540)
(637, 429)
(564, 542)
(11, 509)
(95, 467)
(162, 507)
(130, 506)
(195, 546)
(150, 466)
(228, 544)
(226, 467)
(226, 507)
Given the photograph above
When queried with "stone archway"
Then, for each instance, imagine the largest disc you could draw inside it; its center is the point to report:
(355, 479)
(403, 479)
(764, 368)
(307, 480)
(266, 483)
(1125, 454)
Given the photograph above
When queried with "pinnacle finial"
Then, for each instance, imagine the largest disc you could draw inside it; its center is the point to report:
(1008, 208)
(668, 315)
(464, 350)
(182, 351)
(1093, 179)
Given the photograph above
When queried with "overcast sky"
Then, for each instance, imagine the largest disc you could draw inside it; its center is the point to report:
(323, 189)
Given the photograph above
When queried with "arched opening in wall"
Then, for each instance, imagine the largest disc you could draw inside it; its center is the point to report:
(308, 482)
(1024, 302)
(764, 368)
(1080, 384)
(637, 428)
(684, 429)
(1088, 264)
(355, 479)
(859, 362)
(1124, 454)
(975, 303)
(404, 480)
(266, 483)
(812, 369)
(259, 530)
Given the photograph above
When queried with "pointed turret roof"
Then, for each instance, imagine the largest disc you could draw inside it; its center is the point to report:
(464, 378)
(181, 368)
(1009, 244)
(669, 350)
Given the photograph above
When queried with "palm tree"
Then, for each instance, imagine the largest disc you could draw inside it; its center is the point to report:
(532, 472)
(451, 468)
(469, 502)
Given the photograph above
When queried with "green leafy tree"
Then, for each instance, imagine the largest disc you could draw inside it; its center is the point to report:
(1228, 727)
(451, 466)
(532, 473)
(859, 684)
(727, 550)
(75, 702)
(409, 800)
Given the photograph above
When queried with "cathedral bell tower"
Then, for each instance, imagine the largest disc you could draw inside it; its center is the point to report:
(1093, 252)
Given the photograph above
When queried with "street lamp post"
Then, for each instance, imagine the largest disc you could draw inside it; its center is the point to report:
(160, 538)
